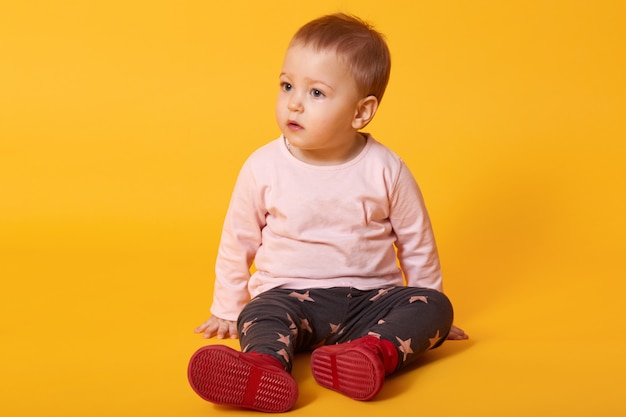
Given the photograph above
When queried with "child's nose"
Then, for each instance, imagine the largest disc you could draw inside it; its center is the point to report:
(294, 103)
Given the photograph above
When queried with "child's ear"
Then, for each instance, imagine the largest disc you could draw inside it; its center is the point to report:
(365, 111)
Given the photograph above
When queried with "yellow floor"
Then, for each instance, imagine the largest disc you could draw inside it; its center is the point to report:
(123, 125)
(109, 334)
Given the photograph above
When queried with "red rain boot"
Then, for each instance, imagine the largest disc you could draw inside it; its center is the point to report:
(223, 375)
(356, 369)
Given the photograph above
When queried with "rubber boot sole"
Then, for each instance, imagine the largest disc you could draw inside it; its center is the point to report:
(225, 376)
(353, 371)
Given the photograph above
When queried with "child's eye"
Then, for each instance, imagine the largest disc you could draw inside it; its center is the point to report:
(317, 93)
(286, 86)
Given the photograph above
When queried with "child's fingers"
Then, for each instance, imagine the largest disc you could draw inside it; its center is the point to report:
(200, 328)
(232, 329)
(223, 330)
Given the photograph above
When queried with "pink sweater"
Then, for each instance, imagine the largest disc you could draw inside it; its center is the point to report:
(306, 226)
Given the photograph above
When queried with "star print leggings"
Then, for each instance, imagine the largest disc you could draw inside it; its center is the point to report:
(281, 322)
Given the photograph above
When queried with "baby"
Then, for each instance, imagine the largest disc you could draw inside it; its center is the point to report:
(346, 264)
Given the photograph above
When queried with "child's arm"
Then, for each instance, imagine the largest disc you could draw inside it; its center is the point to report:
(415, 241)
(417, 250)
(240, 239)
(216, 326)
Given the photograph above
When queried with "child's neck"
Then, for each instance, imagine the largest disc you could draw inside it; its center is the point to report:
(332, 156)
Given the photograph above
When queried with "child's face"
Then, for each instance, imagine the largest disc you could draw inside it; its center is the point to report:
(317, 105)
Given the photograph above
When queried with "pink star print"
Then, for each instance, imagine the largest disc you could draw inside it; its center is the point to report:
(304, 323)
(284, 354)
(302, 297)
(421, 298)
(292, 325)
(284, 339)
(433, 340)
(405, 347)
(247, 325)
(381, 292)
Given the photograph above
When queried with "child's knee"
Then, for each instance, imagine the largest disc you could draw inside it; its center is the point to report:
(439, 298)
(440, 305)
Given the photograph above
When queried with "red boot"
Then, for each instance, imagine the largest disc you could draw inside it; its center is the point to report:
(356, 369)
(223, 375)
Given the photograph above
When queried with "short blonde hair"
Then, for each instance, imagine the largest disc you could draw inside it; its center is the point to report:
(357, 44)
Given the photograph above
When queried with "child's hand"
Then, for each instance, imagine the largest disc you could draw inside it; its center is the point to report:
(216, 326)
(457, 334)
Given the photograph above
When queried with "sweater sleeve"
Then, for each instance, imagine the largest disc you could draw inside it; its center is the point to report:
(416, 247)
(240, 240)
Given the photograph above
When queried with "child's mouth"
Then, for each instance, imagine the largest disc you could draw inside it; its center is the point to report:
(293, 125)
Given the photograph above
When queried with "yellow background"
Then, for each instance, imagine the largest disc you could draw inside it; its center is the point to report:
(124, 123)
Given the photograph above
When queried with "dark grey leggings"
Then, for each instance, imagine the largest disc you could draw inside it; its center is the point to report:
(282, 322)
